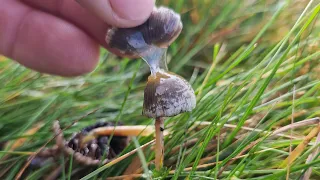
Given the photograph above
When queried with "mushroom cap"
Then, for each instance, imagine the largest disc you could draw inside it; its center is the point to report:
(167, 94)
(161, 29)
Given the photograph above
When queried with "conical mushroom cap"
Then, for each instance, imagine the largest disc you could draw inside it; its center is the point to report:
(167, 94)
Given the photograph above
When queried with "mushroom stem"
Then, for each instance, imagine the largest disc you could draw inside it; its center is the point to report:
(159, 127)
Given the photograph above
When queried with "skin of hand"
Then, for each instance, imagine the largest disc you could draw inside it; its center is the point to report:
(63, 37)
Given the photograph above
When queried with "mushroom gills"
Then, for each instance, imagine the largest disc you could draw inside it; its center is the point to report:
(166, 93)
(149, 40)
(161, 29)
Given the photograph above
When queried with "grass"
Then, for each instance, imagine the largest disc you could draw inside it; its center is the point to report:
(254, 66)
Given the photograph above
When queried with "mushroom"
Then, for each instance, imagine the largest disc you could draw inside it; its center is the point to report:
(149, 40)
(166, 94)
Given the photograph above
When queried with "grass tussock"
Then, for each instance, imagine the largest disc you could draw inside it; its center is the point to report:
(255, 67)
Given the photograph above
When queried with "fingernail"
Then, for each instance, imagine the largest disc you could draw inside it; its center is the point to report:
(120, 13)
(132, 9)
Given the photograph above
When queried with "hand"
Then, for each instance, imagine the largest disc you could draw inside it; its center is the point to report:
(59, 36)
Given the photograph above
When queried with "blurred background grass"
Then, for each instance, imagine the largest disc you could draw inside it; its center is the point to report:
(253, 64)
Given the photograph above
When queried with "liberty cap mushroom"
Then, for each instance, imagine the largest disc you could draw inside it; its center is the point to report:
(161, 29)
(166, 93)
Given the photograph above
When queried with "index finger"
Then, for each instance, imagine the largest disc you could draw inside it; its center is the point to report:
(71, 11)
(94, 26)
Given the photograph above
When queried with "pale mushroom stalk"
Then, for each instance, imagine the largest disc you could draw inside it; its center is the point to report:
(159, 127)
(166, 94)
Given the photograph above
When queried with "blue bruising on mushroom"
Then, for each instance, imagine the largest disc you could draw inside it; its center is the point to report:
(166, 93)
(149, 40)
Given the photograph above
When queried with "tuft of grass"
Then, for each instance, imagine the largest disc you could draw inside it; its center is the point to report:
(254, 66)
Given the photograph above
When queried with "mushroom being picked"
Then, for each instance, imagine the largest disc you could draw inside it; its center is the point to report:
(166, 94)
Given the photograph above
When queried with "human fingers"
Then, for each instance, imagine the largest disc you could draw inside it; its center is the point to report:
(73, 12)
(44, 42)
(120, 13)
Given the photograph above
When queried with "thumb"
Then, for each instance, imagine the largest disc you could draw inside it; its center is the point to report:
(120, 13)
